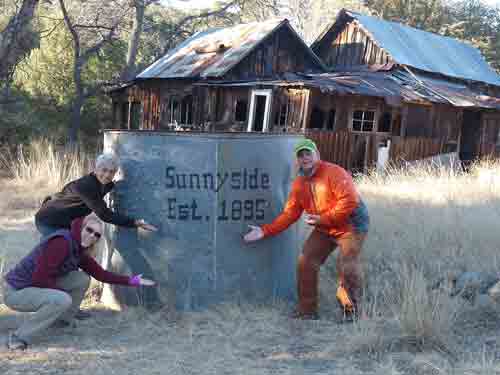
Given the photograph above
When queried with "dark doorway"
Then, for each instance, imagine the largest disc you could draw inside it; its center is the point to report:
(317, 118)
(384, 123)
(471, 132)
(260, 110)
(330, 125)
(240, 113)
(135, 116)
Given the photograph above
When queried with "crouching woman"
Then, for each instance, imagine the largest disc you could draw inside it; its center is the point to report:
(48, 281)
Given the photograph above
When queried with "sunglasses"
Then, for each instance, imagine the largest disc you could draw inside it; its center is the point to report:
(93, 232)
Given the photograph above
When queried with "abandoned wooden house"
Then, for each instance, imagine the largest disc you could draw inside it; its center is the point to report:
(168, 96)
(379, 90)
(426, 93)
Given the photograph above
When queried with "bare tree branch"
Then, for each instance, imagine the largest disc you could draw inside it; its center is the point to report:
(82, 57)
(17, 39)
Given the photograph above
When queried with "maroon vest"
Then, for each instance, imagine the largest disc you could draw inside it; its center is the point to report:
(20, 276)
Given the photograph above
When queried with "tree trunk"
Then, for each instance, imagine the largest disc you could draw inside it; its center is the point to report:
(79, 100)
(76, 119)
(17, 39)
(133, 43)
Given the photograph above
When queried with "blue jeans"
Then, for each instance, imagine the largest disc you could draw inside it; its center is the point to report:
(44, 229)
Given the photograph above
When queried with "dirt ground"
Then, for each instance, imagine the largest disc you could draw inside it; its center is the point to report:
(243, 339)
(230, 339)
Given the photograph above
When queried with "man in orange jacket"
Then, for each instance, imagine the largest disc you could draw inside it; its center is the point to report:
(326, 192)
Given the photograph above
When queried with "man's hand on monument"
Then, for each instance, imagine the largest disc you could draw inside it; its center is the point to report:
(255, 234)
(312, 219)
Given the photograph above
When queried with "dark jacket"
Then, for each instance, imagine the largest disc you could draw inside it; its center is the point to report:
(77, 199)
(56, 256)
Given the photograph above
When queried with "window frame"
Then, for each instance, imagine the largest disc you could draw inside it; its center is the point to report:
(376, 114)
(268, 94)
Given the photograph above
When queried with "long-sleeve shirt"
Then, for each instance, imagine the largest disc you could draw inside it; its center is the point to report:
(49, 261)
(329, 193)
(77, 199)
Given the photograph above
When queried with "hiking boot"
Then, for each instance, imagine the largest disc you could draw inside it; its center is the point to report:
(59, 324)
(16, 344)
(82, 315)
(305, 316)
(349, 317)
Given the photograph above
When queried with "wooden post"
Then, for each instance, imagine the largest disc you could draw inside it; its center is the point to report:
(129, 119)
(404, 117)
(306, 111)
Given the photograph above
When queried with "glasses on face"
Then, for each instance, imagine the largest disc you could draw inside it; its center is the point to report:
(93, 232)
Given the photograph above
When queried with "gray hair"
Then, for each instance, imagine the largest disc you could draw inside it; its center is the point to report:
(107, 161)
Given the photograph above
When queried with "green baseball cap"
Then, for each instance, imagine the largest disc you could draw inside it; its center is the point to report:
(305, 144)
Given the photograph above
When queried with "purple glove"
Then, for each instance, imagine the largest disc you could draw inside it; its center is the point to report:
(134, 280)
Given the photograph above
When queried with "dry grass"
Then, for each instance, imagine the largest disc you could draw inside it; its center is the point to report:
(42, 164)
(426, 225)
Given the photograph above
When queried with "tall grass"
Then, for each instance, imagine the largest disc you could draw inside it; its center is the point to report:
(427, 223)
(42, 163)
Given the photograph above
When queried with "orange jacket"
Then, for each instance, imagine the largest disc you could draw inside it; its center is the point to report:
(330, 193)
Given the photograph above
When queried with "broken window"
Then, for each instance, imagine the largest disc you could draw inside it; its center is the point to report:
(384, 123)
(123, 115)
(363, 121)
(180, 111)
(240, 112)
(317, 118)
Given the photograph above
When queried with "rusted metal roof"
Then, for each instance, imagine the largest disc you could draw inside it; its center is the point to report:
(423, 50)
(213, 52)
(394, 86)
(444, 91)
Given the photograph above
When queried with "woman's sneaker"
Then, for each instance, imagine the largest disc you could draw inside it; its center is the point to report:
(15, 343)
(82, 315)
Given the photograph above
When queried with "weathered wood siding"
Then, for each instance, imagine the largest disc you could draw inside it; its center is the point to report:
(164, 103)
(156, 104)
(490, 135)
(351, 46)
(415, 148)
(280, 53)
(356, 152)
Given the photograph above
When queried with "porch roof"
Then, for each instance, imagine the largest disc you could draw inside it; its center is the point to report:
(394, 86)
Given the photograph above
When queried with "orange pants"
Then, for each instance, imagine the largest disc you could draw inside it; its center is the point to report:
(316, 250)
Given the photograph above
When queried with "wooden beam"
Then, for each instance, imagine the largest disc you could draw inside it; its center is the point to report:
(129, 119)
(306, 110)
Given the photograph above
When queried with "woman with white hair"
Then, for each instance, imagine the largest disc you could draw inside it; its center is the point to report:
(48, 282)
(83, 196)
